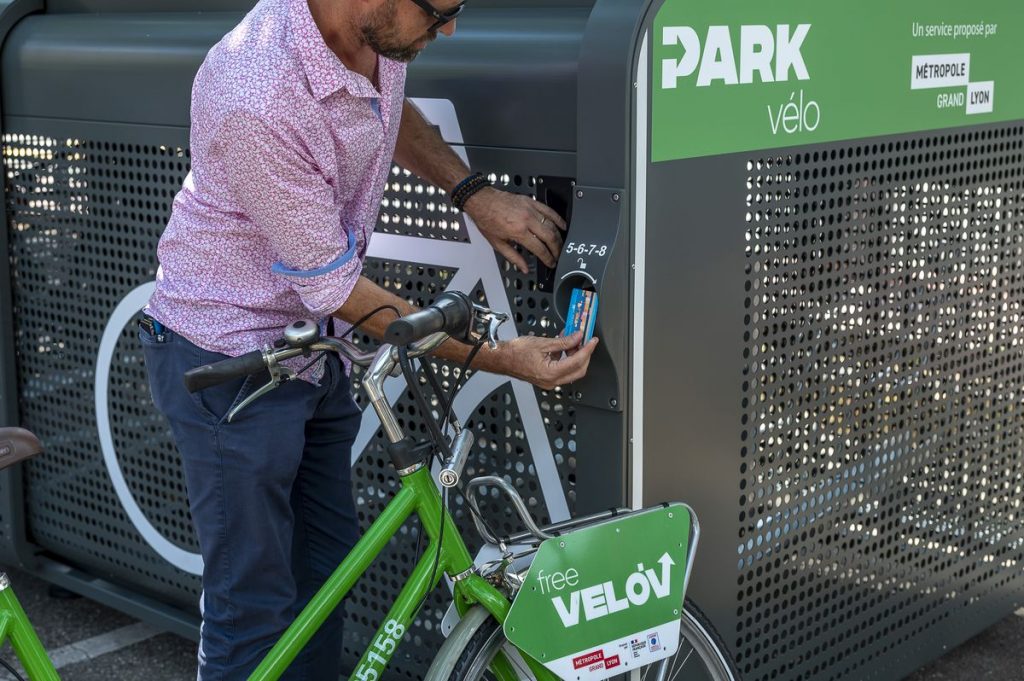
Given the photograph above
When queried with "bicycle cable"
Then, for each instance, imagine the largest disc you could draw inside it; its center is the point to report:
(441, 443)
(437, 435)
(421, 403)
(431, 375)
(319, 355)
(455, 389)
(316, 358)
(11, 669)
(368, 315)
(437, 554)
(457, 386)
(350, 332)
(447, 404)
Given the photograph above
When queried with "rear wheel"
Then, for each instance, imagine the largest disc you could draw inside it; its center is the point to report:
(469, 653)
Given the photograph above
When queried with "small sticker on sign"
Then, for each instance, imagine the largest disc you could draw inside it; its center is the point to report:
(939, 70)
(981, 97)
(587, 659)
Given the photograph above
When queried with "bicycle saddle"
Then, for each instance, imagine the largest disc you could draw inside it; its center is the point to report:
(17, 444)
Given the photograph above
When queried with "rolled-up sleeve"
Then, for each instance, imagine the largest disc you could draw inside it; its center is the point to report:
(276, 186)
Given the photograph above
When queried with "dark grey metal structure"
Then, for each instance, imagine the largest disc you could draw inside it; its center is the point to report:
(91, 174)
(842, 544)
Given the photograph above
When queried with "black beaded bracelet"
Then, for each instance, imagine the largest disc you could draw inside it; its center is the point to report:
(466, 182)
(469, 186)
(465, 189)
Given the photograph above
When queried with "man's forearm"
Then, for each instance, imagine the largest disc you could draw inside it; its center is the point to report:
(368, 296)
(421, 150)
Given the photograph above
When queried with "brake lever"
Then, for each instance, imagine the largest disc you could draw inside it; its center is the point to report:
(485, 325)
(278, 375)
(492, 331)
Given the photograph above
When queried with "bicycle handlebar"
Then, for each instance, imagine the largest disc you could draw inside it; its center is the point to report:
(451, 314)
(420, 333)
(210, 375)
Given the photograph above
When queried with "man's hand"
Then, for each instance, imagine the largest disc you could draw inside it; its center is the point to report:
(544, 362)
(540, 361)
(506, 219)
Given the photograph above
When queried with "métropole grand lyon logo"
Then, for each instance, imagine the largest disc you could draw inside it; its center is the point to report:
(758, 54)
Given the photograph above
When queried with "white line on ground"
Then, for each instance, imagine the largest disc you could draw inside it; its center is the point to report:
(102, 644)
(91, 648)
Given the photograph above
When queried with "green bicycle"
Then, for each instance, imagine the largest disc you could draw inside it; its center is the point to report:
(514, 618)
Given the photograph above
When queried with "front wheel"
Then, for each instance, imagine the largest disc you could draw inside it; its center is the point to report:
(471, 650)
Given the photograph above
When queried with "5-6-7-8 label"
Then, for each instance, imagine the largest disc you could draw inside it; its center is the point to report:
(580, 248)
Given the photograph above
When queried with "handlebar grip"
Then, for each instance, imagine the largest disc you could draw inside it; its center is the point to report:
(210, 375)
(450, 313)
(415, 326)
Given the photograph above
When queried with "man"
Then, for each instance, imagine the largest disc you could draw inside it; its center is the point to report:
(296, 117)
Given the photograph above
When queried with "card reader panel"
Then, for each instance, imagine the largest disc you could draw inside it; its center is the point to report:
(595, 257)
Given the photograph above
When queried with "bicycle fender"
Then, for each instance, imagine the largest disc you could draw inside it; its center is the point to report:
(444, 664)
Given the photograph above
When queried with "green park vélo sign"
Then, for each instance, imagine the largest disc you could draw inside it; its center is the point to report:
(748, 74)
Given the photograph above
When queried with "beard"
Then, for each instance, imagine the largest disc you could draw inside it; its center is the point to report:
(380, 34)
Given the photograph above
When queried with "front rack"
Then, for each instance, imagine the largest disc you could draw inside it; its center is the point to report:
(533, 531)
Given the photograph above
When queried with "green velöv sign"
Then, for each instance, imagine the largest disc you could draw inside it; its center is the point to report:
(606, 599)
(748, 74)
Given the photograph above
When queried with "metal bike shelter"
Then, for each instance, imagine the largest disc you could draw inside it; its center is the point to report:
(834, 391)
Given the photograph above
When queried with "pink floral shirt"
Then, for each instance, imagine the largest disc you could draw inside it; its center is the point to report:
(290, 153)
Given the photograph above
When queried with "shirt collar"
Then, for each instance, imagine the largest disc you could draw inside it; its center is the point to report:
(324, 71)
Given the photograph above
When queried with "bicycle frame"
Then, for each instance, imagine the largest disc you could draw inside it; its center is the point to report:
(16, 628)
(419, 495)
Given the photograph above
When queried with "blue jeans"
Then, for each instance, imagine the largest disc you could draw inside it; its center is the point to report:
(271, 500)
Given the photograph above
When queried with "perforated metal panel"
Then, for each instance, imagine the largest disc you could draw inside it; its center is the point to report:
(84, 219)
(881, 476)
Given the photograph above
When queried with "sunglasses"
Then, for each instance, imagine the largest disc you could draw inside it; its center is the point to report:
(441, 18)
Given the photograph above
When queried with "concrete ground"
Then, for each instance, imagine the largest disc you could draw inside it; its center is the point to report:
(90, 642)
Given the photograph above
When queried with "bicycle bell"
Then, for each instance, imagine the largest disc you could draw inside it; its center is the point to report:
(302, 333)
